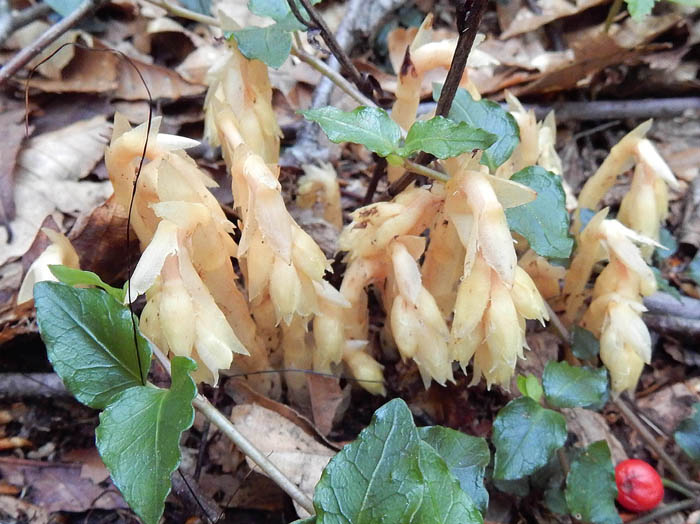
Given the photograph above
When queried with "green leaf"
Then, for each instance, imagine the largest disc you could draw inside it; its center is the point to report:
(667, 240)
(369, 126)
(584, 345)
(64, 7)
(279, 11)
(90, 342)
(198, 6)
(517, 487)
(665, 285)
(489, 116)
(445, 138)
(466, 456)
(640, 8)
(77, 277)
(270, 44)
(568, 386)
(530, 386)
(139, 435)
(390, 475)
(545, 221)
(525, 435)
(687, 434)
(550, 480)
(693, 269)
(590, 486)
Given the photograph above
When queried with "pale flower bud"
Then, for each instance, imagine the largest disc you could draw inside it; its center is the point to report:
(364, 368)
(320, 185)
(176, 310)
(527, 299)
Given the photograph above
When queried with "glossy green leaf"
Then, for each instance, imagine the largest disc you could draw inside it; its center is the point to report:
(489, 116)
(584, 345)
(669, 243)
(445, 138)
(590, 486)
(466, 456)
(530, 386)
(369, 126)
(517, 487)
(280, 12)
(526, 436)
(139, 439)
(568, 386)
(544, 222)
(693, 269)
(664, 285)
(64, 7)
(640, 8)
(270, 44)
(77, 277)
(90, 342)
(390, 475)
(687, 434)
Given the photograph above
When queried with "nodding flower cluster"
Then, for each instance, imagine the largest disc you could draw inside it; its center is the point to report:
(456, 294)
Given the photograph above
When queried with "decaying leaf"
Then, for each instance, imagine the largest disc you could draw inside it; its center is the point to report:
(290, 448)
(48, 180)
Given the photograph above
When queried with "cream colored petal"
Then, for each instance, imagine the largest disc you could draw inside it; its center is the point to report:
(164, 244)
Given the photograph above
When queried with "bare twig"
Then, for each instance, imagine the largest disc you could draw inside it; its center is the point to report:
(246, 447)
(667, 509)
(686, 328)
(334, 46)
(24, 56)
(333, 76)
(377, 174)
(665, 304)
(242, 443)
(469, 16)
(649, 439)
(13, 21)
(185, 13)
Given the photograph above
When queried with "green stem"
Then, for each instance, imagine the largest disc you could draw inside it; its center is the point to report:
(425, 171)
(677, 487)
(614, 9)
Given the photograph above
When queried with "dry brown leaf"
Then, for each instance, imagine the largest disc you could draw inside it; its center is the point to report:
(590, 427)
(328, 400)
(12, 124)
(99, 237)
(23, 511)
(47, 180)
(91, 465)
(30, 33)
(59, 487)
(668, 406)
(194, 68)
(299, 456)
(525, 19)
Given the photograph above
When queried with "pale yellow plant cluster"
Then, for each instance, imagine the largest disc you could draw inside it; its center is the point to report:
(614, 313)
(456, 295)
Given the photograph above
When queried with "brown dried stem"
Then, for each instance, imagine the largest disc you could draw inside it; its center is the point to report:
(469, 16)
(317, 22)
(24, 56)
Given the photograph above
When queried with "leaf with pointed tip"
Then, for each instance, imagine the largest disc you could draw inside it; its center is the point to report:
(139, 439)
(89, 340)
(567, 386)
(590, 486)
(489, 116)
(369, 126)
(525, 435)
(78, 277)
(445, 138)
(544, 222)
(270, 44)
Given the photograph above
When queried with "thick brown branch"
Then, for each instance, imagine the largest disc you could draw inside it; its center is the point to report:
(469, 16)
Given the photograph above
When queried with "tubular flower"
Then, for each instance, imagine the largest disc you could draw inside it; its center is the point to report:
(319, 185)
(59, 252)
(614, 314)
(184, 271)
(495, 296)
(243, 86)
(645, 206)
(422, 56)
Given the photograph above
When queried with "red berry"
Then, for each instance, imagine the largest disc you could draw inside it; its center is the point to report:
(639, 486)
